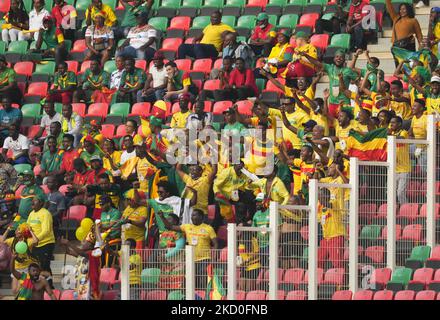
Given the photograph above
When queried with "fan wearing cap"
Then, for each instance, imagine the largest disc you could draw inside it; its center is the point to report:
(30, 190)
(433, 97)
(8, 82)
(97, 6)
(53, 37)
(94, 130)
(263, 36)
(179, 118)
(135, 217)
(36, 17)
(141, 40)
(90, 149)
(132, 80)
(300, 66)
(157, 144)
(99, 40)
(156, 82)
(97, 169)
(281, 53)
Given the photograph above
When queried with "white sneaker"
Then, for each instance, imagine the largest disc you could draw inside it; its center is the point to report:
(420, 4)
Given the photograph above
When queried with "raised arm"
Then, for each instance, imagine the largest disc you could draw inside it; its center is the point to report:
(14, 272)
(286, 121)
(167, 224)
(318, 64)
(391, 11)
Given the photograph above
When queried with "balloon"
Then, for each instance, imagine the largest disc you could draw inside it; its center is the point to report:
(86, 224)
(21, 247)
(81, 233)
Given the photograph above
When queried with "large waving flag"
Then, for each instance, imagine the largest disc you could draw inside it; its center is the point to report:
(402, 54)
(370, 147)
(214, 288)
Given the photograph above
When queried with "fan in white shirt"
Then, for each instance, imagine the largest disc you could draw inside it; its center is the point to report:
(18, 144)
(36, 17)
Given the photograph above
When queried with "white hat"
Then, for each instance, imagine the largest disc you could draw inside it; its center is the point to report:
(435, 79)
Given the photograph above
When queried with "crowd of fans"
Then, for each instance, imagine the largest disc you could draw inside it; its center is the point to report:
(131, 188)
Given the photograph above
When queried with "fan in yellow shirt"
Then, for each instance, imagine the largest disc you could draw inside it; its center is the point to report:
(135, 217)
(179, 118)
(343, 125)
(419, 122)
(98, 7)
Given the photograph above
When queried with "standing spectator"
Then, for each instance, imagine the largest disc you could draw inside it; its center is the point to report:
(29, 192)
(132, 80)
(36, 17)
(8, 116)
(354, 23)
(16, 20)
(333, 24)
(179, 118)
(405, 27)
(131, 11)
(115, 77)
(64, 85)
(56, 202)
(199, 119)
(69, 154)
(210, 39)
(156, 83)
(51, 159)
(111, 225)
(141, 40)
(40, 220)
(71, 123)
(234, 49)
(93, 82)
(399, 102)
(418, 130)
(53, 37)
(434, 30)
(97, 191)
(19, 145)
(99, 40)
(178, 82)
(65, 18)
(8, 83)
(98, 7)
(433, 99)
(241, 84)
(300, 66)
(263, 36)
(135, 217)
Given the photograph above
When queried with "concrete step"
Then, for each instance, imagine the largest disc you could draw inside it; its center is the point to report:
(389, 33)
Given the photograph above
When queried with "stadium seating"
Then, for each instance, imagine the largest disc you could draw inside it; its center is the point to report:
(363, 295)
(404, 295)
(342, 295)
(383, 295)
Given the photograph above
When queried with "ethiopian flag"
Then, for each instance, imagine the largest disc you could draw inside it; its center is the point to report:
(370, 147)
(214, 288)
(422, 55)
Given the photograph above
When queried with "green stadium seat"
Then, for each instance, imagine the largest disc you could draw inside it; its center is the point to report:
(200, 22)
(341, 41)
(370, 234)
(320, 2)
(214, 3)
(299, 2)
(176, 295)
(111, 3)
(242, 39)
(31, 110)
(118, 112)
(34, 45)
(261, 84)
(20, 168)
(2, 47)
(168, 8)
(399, 279)
(47, 68)
(235, 3)
(229, 20)
(58, 107)
(159, 23)
(247, 22)
(288, 21)
(48, 5)
(191, 4)
(150, 275)
(110, 66)
(82, 5)
(28, 5)
(20, 47)
(279, 3)
(418, 257)
(273, 19)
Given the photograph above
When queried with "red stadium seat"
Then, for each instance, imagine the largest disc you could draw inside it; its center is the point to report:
(293, 276)
(308, 19)
(423, 210)
(240, 295)
(4, 6)
(108, 130)
(244, 107)
(19, 190)
(271, 87)
(412, 232)
(384, 295)
(24, 67)
(98, 110)
(211, 85)
(256, 3)
(67, 295)
(405, 295)
(37, 89)
(224, 255)
(320, 41)
(141, 64)
(79, 108)
(63, 188)
(171, 44)
(198, 84)
(79, 46)
(108, 276)
(72, 66)
(304, 232)
(110, 295)
(382, 212)
(45, 188)
(375, 253)
(367, 211)
(334, 276)
(342, 295)
(256, 295)
(84, 66)
(380, 277)
(120, 131)
(154, 295)
(319, 278)
(363, 295)
(182, 23)
(422, 276)
(264, 276)
(32, 132)
(37, 170)
(140, 109)
(221, 106)
(211, 211)
(203, 65)
(426, 295)
(398, 232)
(76, 213)
(184, 64)
(409, 211)
(189, 40)
(22, 87)
(218, 63)
(296, 295)
(56, 293)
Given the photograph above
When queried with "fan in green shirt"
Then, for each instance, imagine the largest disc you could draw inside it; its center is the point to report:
(110, 218)
(28, 193)
(132, 80)
(90, 150)
(53, 37)
(51, 160)
(129, 18)
(93, 79)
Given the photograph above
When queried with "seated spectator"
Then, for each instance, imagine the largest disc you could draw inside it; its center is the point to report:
(132, 80)
(221, 74)
(112, 157)
(36, 17)
(64, 85)
(48, 118)
(115, 77)
(94, 130)
(82, 177)
(334, 23)
(156, 83)
(210, 40)
(65, 18)
(90, 149)
(53, 37)
(18, 144)
(263, 36)
(141, 40)
(178, 82)
(300, 66)
(8, 116)
(55, 131)
(179, 118)
(16, 20)
(69, 154)
(99, 40)
(93, 82)
(8, 84)
(234, 49)
(51, 160)
(200, 119)
(30, 190)
(354, 24)
(98, 7)
(97, 169)
(280, 55)
(71, 123)
(132, 9)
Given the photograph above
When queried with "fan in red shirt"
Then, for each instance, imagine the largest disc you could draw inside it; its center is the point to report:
(354, 23)
(65, 17)
(263, 36)
(69, 154)
(81, 179)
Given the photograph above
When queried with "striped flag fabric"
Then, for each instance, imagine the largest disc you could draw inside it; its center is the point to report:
(370, 147)
(214, 288)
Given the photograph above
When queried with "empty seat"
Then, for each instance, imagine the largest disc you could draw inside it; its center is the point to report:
(418, 257)
(408, 213)
(78, 212)
(405, 295)
(375, 254)
(421, 278)
(256, 295)
(363, 295)
(292, 278)
(383, 295)
(342, 295)
(425, 295)
(296, 295)
(400, 278)
(154, 295)
(434, 261)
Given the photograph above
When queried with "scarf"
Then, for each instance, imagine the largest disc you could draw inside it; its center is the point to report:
(176, 203)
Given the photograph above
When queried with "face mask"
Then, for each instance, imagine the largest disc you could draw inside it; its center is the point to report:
(262, 26)
(370, 67)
